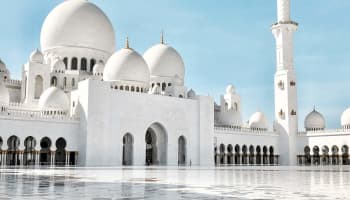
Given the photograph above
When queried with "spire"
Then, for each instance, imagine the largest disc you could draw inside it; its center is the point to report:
(162, 37)
(283, 10)
(127, 43)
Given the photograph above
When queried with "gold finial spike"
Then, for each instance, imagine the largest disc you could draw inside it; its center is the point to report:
(127, 43)
(162, 38)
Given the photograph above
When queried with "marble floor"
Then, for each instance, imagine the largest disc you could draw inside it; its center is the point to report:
(231, 182)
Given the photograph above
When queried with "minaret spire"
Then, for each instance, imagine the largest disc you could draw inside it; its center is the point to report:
(162, 37)
(283, 10)
(286, 112)
(127, 43)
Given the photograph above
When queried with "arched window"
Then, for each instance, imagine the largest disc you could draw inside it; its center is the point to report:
(83, 64)
(163, 86)
(39, 86)
(127, 88)
(92, 64)
(128, 142)
(65, 61)
(132, 88)
(74, 63)
(73, 82)
(54, 81)
(65, 82)
(236, 106)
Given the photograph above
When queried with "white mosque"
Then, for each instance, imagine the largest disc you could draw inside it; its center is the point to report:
(82, 102)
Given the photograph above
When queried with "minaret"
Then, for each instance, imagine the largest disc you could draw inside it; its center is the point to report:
(286, 121)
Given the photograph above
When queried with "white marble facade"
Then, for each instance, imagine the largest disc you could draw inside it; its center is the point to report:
(83, 102)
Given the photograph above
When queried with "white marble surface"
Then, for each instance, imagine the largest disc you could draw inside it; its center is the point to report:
(177, 183)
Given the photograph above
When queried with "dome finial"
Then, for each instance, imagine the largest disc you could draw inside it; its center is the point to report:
(127, 43)
(162, 37)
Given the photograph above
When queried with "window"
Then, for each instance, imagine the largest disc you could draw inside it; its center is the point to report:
(39, 86)
(74, 64)
(163, 86)
(73, 82)
(92, 64)
(65, 60)
(65, 82)
(54, 81)
(83, 64)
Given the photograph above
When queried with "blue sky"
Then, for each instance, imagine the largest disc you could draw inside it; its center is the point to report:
(221, 43)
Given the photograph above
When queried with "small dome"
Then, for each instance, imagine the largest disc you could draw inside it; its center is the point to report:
(345, 119)
(98, 68)
(54, 99)
(164, 61)
(191, 94)
(314, 121)
(58, 66)
(258, 121)
(4, 94)
(230, 89)
(126, 65)
(36, 56)
(77, 23)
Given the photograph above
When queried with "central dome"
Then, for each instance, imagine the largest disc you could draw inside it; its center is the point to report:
(77, 23)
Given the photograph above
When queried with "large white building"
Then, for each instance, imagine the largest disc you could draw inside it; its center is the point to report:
(82, 102)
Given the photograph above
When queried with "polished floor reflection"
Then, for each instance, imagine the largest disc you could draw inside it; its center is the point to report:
(177, 183)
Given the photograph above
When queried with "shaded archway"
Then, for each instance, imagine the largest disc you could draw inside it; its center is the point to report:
(182, 151)
(258, 155)
(265, 162)
(230, 154)
(53, 81)
(335, 156)
(222, 154)
(29, 151)
(272, 155)
(237, 154)
(45, 152)
(307, 155)
(60, 154)
(316, 155)
(345, 154)
(251, 155)
(128, 142)
(13, 151)
(325, 155)
(244, 155)
(156, 145)
(39, 86)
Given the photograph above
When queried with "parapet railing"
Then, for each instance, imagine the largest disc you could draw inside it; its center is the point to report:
(236, 129)
(13, 82)
(326, 131)
(34, 114)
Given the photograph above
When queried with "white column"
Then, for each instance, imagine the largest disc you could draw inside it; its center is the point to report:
(283, 10)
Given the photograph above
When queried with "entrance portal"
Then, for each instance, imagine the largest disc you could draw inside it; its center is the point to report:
(156, 145)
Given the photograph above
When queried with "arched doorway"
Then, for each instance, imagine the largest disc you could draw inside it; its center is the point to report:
(12, 151)
(335, 156)
(230, 154)
(272, 155)
(251, 155)
(307, 155)
(45, 152)
(128, 142)
(245, 155)
(325, 155)
(156, 145)
(316, 155)
(182, 150)
(265, 162)
(222, 154)
(29, 151)
(39, 86)
(60, 154)
(345, 154)
(237, 154)
(258, 155)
